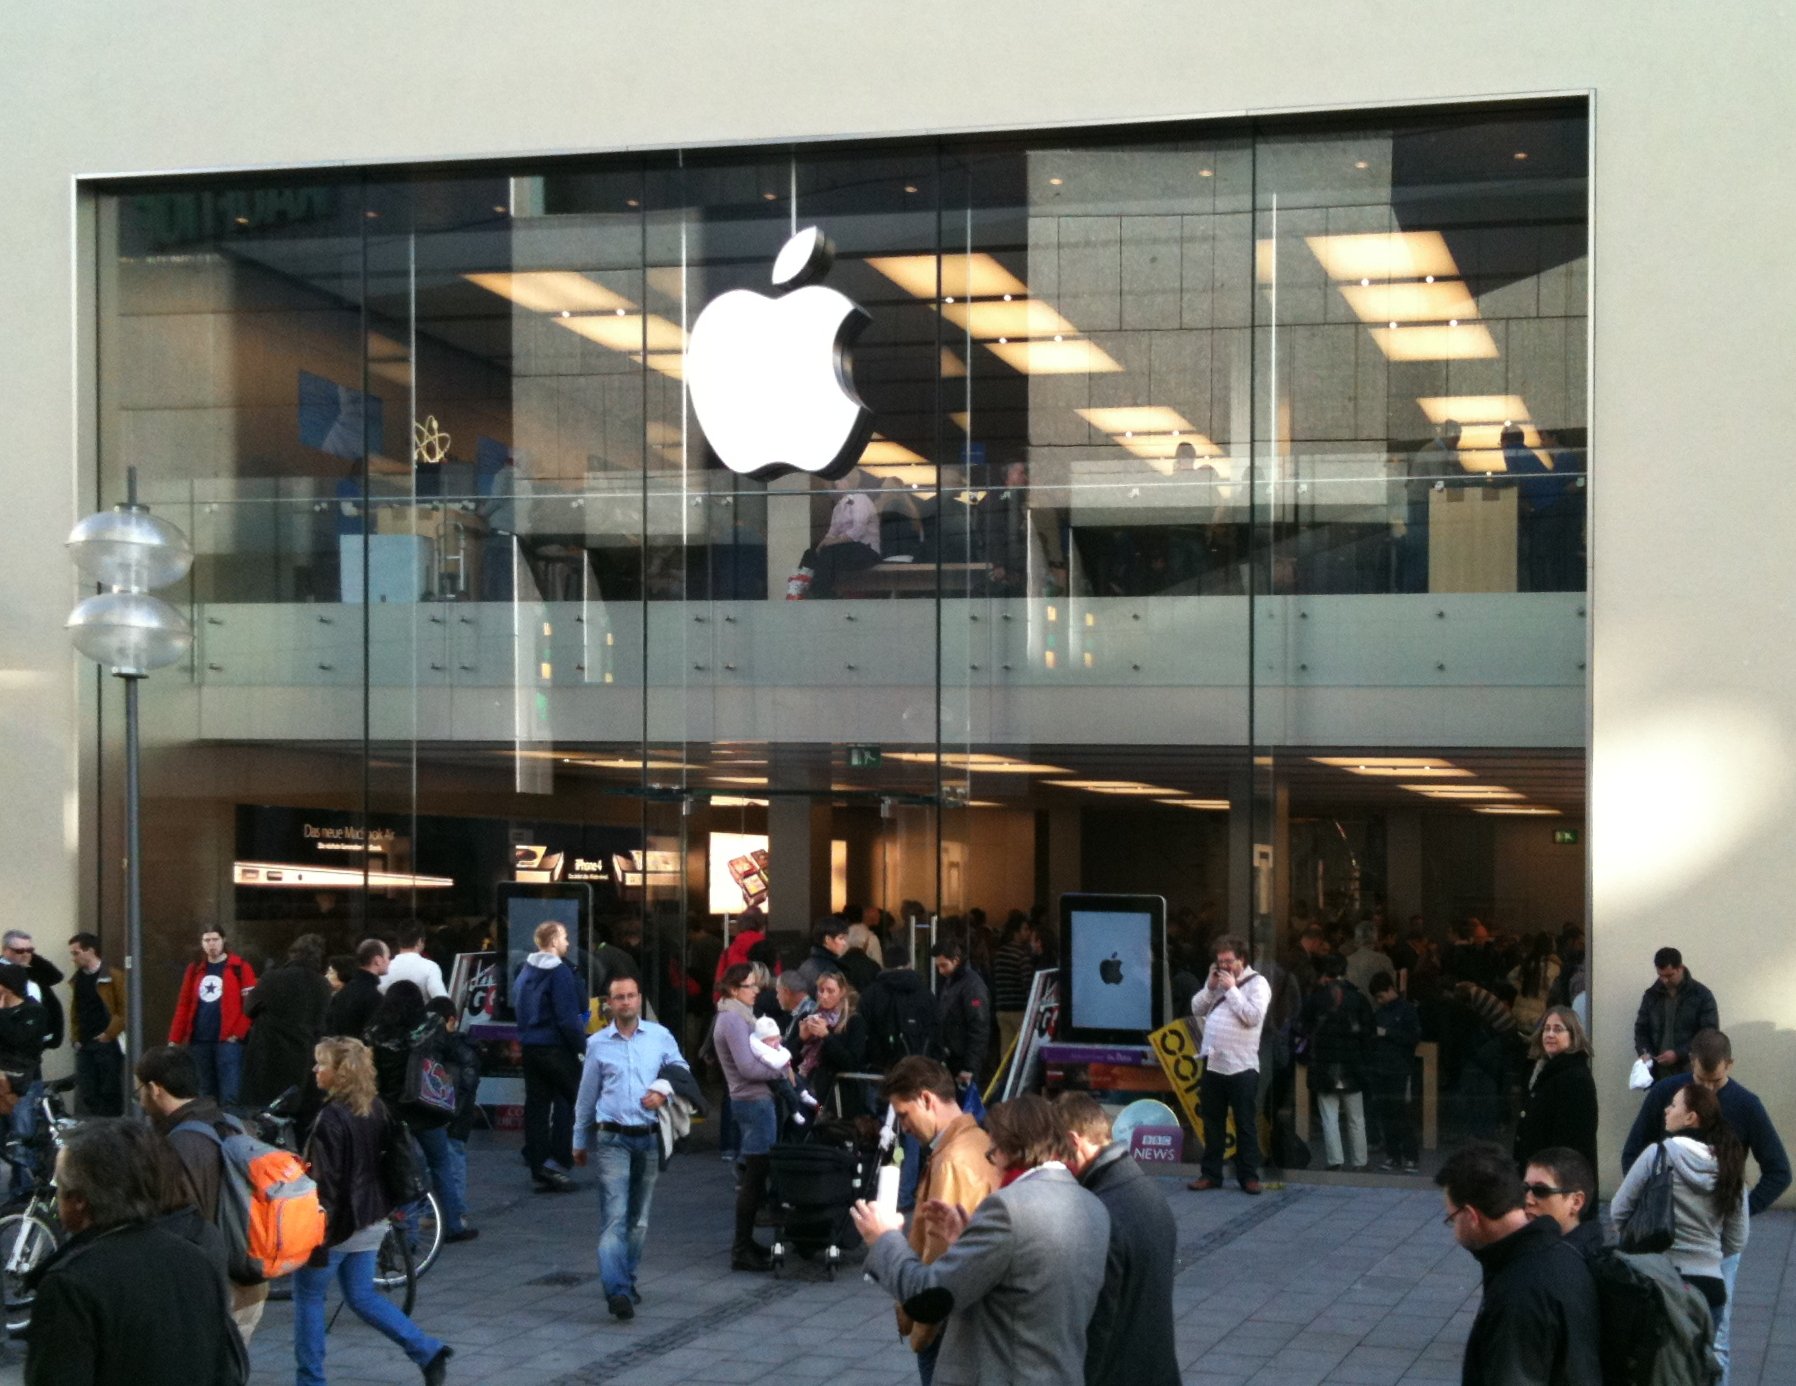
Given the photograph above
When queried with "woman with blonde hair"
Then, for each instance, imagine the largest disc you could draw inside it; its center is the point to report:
(1559, 1105)
(834, 1041)
(344, 1151)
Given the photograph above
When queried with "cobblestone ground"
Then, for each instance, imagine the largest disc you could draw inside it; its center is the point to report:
(1314, 1283)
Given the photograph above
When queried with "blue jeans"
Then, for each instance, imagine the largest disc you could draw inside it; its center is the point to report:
(221, 1070)
(910, 1169)
(448, 1174)
(628, 1167)
(1730, 1273)
(926, 1360)
(355, 1273)
(21, 1126)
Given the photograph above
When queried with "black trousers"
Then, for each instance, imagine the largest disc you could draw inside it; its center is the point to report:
(828, 564)
(1218, 1095)
(99, 1078)
(551, 1083)
(1389, 1094)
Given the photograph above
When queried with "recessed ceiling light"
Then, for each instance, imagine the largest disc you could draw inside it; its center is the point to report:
(948, 299)
(1058, 337)
(566, 314)
(1361, 163)
(1392, 325)
(768, 197)
(1056, 182)
(1452, 322)
(1206, 173)
(618, 311)
(1003, 341)
(371, 215)
(1007, 298)
(632, 202)
(243, 221)
(1426, 279)
(910, 187)
(1521, 153)
(1365, 283)
(499, 207)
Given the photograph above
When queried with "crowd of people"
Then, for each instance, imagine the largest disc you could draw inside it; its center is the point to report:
(988, 1251)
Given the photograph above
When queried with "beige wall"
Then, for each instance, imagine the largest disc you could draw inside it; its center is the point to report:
(1694, 734)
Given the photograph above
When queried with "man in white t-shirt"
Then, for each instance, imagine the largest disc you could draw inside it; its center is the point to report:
(410, 965)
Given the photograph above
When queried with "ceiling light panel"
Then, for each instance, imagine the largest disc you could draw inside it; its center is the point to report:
(1054, 358)
(1474, 409)
(1385, 255)
(1468, 341)
(961, 276)
(988, 319)
(1410, 302)
(552, 291)
(628, 332)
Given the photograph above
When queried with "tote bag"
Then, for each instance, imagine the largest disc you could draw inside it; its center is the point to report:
(1652, 1225)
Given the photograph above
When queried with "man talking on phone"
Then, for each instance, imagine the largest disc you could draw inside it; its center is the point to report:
(1231, 1008)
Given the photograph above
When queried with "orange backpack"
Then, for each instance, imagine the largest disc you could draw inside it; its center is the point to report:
(268, 1206)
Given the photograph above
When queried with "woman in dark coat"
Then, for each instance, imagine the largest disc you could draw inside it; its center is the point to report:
(1559, 1107)
(286, 1011)
(833, 1041)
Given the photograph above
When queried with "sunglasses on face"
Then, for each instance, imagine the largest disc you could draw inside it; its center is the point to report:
(1545, 1190)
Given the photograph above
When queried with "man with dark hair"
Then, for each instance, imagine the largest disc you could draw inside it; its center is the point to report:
(23, 1025)
(551, 1013)
(168, 1090)
(1018, 1283)
(123, 1302)
(209, 1016)
(1537, 1324)
(1672, 1010)
(352, 1008)
(1232, 1009)
(1560, 1184)
(963, 1012)
(410, 965)
(829, 941)
(1712, 1066)
(955, 1170)
(1130, 1340)
(97, 1021)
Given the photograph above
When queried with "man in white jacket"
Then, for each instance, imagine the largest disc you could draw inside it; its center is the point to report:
(1231, 1008)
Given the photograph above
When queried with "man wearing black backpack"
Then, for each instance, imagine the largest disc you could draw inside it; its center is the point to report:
(900, 1016)
(168, 1090)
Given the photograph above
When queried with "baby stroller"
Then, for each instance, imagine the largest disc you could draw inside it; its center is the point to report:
(816, 1180)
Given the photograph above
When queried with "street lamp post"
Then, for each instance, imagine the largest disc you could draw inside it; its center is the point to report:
(132, 632)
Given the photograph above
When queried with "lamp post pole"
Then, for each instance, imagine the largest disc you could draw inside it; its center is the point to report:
(131, 631)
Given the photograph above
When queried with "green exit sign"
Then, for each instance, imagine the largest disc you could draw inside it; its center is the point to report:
(863, 757)
(1565, 837)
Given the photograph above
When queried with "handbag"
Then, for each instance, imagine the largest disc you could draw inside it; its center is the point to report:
(1652, 1225)
(402, 1176)
(432, 1082)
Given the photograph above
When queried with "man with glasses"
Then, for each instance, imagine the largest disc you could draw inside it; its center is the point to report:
(17, 947)
(1537, 1324)
(1560, 1184)
(615, 1114)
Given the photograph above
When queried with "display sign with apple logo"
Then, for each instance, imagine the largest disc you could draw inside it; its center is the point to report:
(771, 378)
(1113, 956)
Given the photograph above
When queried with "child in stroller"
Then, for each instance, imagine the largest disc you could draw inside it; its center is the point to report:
(795, 1104)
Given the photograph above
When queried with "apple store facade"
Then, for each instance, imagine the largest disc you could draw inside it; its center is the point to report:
(1202, 513)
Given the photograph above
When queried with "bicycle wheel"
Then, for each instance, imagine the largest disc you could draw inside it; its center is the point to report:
(26, 1242)
(395, 1272)
(423, 1228)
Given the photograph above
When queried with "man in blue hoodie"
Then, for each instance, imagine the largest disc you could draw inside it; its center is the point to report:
(550, 1006)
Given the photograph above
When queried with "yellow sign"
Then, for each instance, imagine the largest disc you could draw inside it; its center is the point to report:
(1175, 1046)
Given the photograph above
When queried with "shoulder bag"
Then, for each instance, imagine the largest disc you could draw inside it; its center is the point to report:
(1652, 1225)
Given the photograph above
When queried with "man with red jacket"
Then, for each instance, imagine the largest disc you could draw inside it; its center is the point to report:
(209, 1017)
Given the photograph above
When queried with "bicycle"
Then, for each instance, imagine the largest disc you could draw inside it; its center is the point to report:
(32, 1235)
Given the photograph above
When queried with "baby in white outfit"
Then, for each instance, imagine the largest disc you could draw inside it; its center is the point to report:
(768, 1049)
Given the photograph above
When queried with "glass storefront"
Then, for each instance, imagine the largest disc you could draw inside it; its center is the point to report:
(1220, 535)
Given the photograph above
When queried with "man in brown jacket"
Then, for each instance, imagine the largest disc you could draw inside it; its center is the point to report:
(955, 1171)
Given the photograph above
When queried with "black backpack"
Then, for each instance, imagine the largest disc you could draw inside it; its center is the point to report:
(1655, 1328)
(901, 1024)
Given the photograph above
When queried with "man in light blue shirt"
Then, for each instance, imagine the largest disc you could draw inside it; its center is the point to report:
(614, 1116)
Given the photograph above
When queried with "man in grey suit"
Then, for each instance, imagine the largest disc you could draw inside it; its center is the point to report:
(1021, 1280)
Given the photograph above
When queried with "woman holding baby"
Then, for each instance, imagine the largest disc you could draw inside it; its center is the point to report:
(750, 1082)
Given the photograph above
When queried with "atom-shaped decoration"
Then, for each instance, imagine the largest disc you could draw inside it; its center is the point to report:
(430, 443)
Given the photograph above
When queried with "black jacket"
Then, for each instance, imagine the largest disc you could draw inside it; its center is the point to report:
(1695, 1009)
(48, 976)
(1130, 1340)
(1339, 1022)
(1538, 1324)
(22, 1031)
(353, 1007)
(132, 1306)
(900, 1016)
(393, 1049)
(344, 1153)
(1559, 1108)
(286, 1011)
(858, 968)
(963, 1016)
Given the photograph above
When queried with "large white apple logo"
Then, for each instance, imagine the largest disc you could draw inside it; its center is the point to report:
(770, 377)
